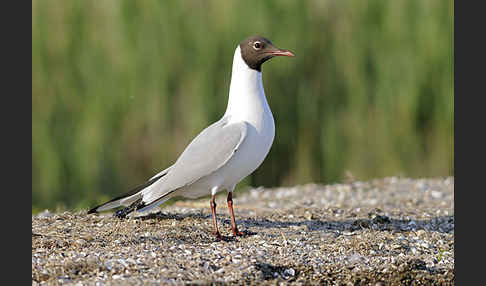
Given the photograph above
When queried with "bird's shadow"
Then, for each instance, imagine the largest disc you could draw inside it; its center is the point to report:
(188, 233)
(164, 216)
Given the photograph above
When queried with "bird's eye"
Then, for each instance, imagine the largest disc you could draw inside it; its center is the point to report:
(257, 45)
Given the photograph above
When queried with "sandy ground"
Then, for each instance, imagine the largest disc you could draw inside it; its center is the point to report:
(392, 231)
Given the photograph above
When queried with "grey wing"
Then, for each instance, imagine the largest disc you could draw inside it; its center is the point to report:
(208, 152)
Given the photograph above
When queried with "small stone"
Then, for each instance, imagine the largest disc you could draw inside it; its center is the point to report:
(308, 215)
(436, 194)
(289, 272)
(45, 214)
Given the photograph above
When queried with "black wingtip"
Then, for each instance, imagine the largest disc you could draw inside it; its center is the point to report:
(132, 192)
(122, 213)
(138, 204)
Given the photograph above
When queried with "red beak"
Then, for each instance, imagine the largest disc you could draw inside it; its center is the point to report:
(282, 52)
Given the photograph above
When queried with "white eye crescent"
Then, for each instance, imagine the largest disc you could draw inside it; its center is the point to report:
(257, 45)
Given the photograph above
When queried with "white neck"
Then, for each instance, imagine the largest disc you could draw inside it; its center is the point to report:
(247, 99)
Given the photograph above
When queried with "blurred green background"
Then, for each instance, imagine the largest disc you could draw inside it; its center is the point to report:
(119, 88)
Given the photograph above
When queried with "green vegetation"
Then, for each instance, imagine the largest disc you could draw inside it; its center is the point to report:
(119, 88)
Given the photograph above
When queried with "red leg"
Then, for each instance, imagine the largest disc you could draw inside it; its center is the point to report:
(234, 228)
(212, 203)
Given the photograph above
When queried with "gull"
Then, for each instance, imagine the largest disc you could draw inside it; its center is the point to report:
(226, 151)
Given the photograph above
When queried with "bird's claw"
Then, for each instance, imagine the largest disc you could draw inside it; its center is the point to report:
(218, 236)
(236, 233)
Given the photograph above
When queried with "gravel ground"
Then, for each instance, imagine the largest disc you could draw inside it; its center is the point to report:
(392, 231)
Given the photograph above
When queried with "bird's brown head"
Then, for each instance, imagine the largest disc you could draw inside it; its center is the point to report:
(256, 50)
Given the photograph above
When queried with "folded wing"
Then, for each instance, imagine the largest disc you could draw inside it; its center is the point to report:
(208, 152)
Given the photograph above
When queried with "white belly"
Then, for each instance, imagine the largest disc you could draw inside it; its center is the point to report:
(246, 159)
(250, 155)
